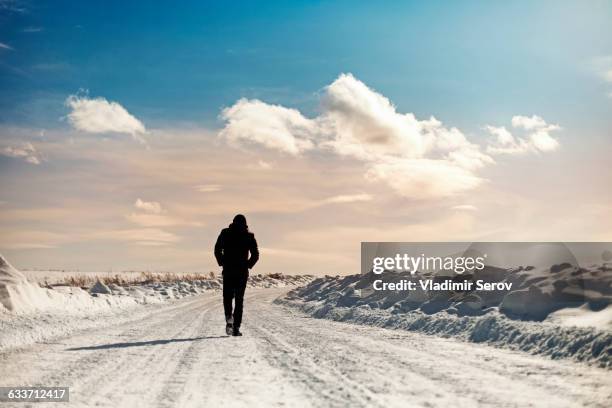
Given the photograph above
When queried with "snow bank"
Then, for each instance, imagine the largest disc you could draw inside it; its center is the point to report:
(19, 295)
(30, 313)
(563, 312)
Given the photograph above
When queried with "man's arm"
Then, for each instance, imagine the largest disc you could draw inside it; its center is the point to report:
(254, 253)
(219, 249)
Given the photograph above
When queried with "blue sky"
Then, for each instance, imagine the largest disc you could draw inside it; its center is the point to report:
(130, 132)
(463, 61)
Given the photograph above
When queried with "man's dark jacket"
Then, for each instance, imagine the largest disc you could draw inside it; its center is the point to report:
(233, 248)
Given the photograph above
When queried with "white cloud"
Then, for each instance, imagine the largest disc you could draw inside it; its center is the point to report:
(364, 123)
(272, 126)
(5, 46)
(358, 122)
(208, 188)
(152, 207)
(97, 115)
(528, 123)
(348, 198)
(537, 138)
(543, 141)
(503, 136)
(417, 158)
(26, 152)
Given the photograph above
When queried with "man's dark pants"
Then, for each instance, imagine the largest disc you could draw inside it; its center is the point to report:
(234, 285)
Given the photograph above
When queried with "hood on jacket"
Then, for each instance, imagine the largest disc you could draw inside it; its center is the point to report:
(239, 223)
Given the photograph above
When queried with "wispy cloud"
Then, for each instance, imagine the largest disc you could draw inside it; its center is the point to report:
(51, 66)
(14, 6)
(32, 239)
(98, 115)
(32, 29)
(25, 151)
(348, 198)
(152, 220)
(208, 188)
(5, 46)
(139, 236)
(464, 207)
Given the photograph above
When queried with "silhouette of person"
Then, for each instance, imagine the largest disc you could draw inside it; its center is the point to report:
(232, 250)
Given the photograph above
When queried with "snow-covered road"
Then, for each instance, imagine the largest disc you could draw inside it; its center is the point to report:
(179, 356)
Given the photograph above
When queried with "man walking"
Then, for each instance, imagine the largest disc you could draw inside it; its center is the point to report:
(232, 250)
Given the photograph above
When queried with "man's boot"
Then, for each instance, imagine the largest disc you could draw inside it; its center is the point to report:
(229, 326)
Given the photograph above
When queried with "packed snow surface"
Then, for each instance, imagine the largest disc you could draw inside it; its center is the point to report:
(176, 354)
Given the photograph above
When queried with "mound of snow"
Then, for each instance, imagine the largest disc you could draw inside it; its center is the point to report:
(19, 295)
(541, 314)
(99, 287)
(534, 293)
(582, 316)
